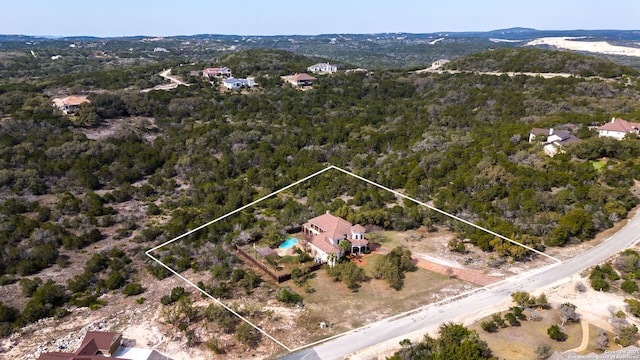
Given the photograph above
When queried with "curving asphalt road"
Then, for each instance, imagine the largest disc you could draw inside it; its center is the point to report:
(481, 300)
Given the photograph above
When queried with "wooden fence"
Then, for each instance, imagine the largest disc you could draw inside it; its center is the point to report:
(278, 278)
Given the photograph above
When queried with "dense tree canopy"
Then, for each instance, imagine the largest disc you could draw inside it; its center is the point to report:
(196, 153)
(454, 341)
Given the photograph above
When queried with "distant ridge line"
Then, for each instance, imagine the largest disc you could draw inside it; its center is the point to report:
(512, 33)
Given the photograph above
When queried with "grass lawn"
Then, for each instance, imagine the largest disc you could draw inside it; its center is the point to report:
(333, 303)
(418, 240)
(520, 342)
(599, 165)
(593, 335)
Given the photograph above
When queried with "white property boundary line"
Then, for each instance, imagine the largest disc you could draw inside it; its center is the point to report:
(446, 213)
(148, 253)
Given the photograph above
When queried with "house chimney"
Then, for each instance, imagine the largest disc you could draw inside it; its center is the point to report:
(551, 131)
(327, 212)
(613, 119)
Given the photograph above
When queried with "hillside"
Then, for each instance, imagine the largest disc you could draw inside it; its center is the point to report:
(259, 62)
(540, 61)
(375, 51)
(82, 197)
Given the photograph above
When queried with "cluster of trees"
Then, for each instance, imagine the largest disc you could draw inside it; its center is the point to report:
(103, 272)
(349, 273)
(228, 323)
(453, 140)
(537, 60)
(623, 272)
(526, 300)
(229, 281)
(393, 266)
(567, 313)
(454, 341)
(498, 321)
(523, 310)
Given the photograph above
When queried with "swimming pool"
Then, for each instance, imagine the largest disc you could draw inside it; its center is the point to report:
(289, 243)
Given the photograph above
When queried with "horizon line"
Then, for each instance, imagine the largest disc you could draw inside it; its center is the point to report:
(59, 37)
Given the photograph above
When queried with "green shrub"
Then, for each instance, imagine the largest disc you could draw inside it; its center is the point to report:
(629, 286)
(132, 289)
(286, 295)
(556, 334)
(489, 326)
(600, 284)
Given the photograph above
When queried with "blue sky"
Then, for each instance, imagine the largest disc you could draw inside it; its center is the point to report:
(287, 17)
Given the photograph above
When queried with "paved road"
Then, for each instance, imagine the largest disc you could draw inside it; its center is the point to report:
(479, 301)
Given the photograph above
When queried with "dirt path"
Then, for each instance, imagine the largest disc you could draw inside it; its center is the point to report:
(510, 73)
(497, 73)
(462, 274)
(167, 75)
(175, 82)
(585, 338)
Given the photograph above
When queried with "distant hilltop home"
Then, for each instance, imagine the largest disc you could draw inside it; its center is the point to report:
(438, 63)
(98, 345)
(299, 80)
(217, 72)
(233, 84)
(554, 140)
(325, 232)
(322, 68)
(70, 104)
(618, 128)
(358, 70)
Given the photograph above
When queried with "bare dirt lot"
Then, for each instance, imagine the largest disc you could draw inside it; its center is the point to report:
(146, 127)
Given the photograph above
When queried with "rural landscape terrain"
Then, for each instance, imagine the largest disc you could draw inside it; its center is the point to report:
(360, 196)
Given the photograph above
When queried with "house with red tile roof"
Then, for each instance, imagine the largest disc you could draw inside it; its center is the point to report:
(325, 232)
(98, 345)
(618, 128)
(217, 72)
(299, 80)
(70, 104)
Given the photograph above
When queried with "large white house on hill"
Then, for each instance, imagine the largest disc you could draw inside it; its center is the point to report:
(233, 84)
(322, 68)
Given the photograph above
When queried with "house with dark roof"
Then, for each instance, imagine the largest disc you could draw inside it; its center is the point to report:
(299, 80)
(325, 232)
(554, 141)
(618, 128)
(98, 345)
